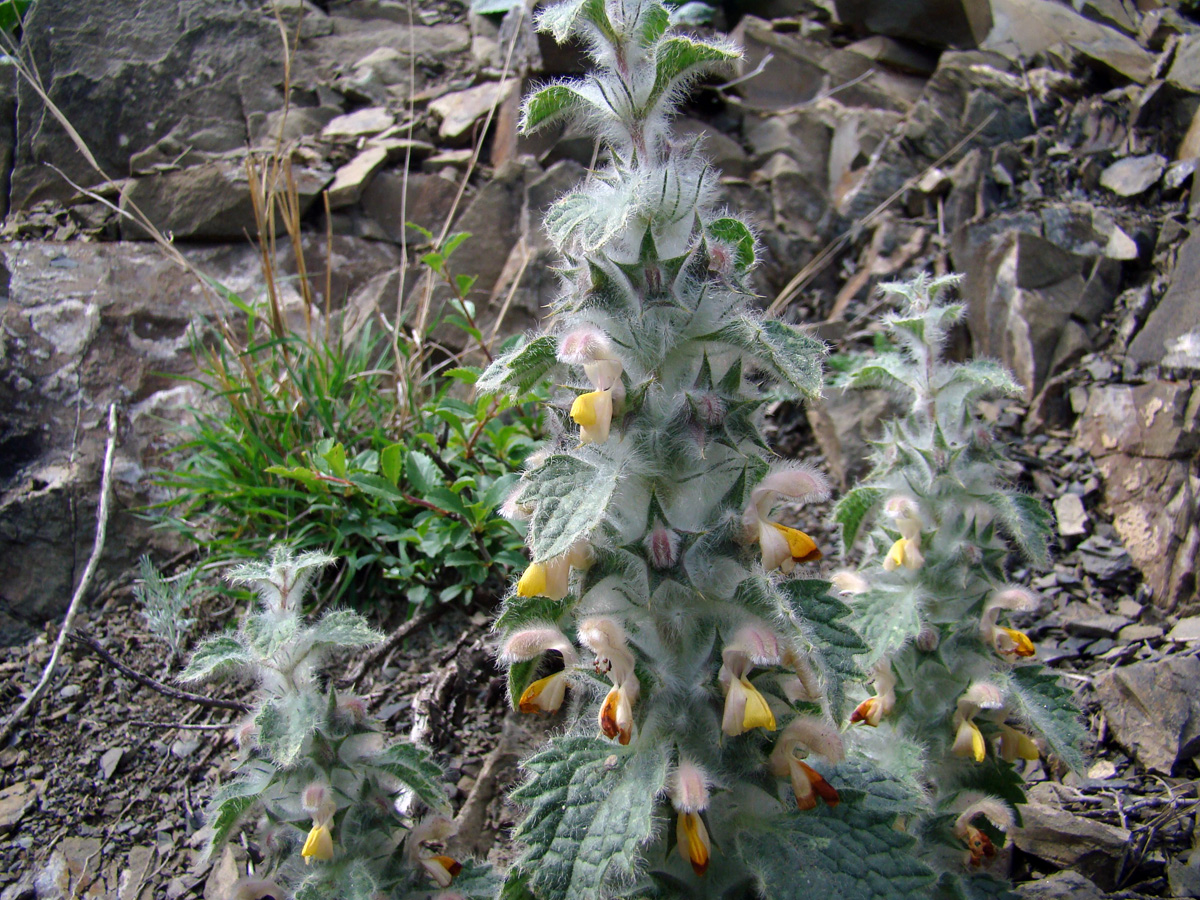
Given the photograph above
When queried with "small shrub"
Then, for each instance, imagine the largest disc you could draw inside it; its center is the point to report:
(163, 605)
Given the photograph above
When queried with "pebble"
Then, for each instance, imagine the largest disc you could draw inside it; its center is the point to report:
(1186, 630)
(71, 690)
(111, 761)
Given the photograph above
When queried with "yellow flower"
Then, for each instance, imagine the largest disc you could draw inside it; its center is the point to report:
(1009, 642)
(905, 552)
(872, 710)
(745, 708)
(441, 869)
(318, 844)
(1015, 745)
(544, 695)
(802, 736)
(694, 844)
(869, 712)
(968, 741)
(782, 547)
(592, 412)
(616, 714)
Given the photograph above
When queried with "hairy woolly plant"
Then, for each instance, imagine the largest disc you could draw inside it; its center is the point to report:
(663, 611)
(957, 699)
(330, 794)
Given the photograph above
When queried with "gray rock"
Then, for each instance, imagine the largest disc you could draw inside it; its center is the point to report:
(1023, 29)
(458, 112)
(1151, 419)
(1133, 175)
(429, 198)
(1131, 634)
(1173, 326)
(211, 200)
(178, 87)
(1061, 886)
(1067, 840)
(360, 123)
(1072, 517)
(1183, 875)
(937, 23)
(1186, 630)
(1021, 291)
(110, 762)
(1185, 70)
(1153, 710)
(1083, 621)
(351, 179)
(1103, 558)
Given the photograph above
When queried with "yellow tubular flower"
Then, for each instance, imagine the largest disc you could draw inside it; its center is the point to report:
(441, 869)
(1009, 642)
(616, 715)
(319, 844)
(1015, 745)
(869, 712)
(694, 844)
(968, 741)
(905, 552)
(533, 581)
(592, 412)
(745, 708)
(544, 695)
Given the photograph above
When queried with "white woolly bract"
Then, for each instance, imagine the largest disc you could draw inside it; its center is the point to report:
(993, 809)
(530, 643)
(811, 735)
(687, 787)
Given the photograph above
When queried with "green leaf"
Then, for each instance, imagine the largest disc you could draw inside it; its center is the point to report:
(391, 462)
(519, 611)
(1026, 521)
(549, 105)
(852, 509)
(888, 616)
(1050, 709)
(677, 59)
(849, 852)
(423, 475)
(214, 656)
(520, 676)
(833, 643)
(654, 24)
(986, 377)
(226, 818)
(736, 234)
(454, 242)
(376, 486)
(562, 19)
(412, 766)
(520, 369)
(285, 725)
(591, 809)
(570, 498)
(516, 887)
(789, 355)
(344, 628)
(581, 214)
(889, 371)
(336, 457)
(305, 476)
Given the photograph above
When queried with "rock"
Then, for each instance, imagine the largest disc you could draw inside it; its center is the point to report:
(1083, 621)
(1152, 419)
(1131, 634)
(110, 762)
(1183, 875)
(1153, 710)
(211, 200)
(16, 800)
(1060, 886)
(1072, 517)
(723, 151)
(361, 123)
(1185, 70)
(1102, 557)
(938, 23)
(458, 112)
(1118, 14)
(267, 129)
(137, 867)
(1186, 630)
(351, 179)
(177, 91)
(429, 199)
(1173, 326)
(1022, 29)
(1022, 291)
(1067, 840)
(1133, 175)
(229, 868)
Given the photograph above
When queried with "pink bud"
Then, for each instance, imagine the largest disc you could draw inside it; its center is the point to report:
(720, 258)
(928, 639)
(314, 796)
(662, 546)
(689, 787)
(709, 408)
(353, 708)
(532, 642)
(585, 345)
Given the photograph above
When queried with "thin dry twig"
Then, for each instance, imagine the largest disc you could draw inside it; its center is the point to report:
(418, 622)
(84, 582)
(146, 681)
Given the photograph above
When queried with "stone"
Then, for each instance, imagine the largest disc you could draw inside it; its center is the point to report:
(1153, 710)
(1186, 630)
(1133, 175)
(268, 129)
(1149, 419)
(110, 762)
(1131, 634)
(1021, 291)
(228, 869)
(8, 131)
(360, 123)
(1067, 840)
(726, 154)
(1183, 875)
(458, 112)
(1072, 517)
(1102, 557)
(1173, 327)
(427, 202)
(1022, 29)
(16, 800)
(137, 867)
(1122, 15)
(1084, 621)
(351, 179)
(1185, 69)
(208, 201)
(177, 91)
(1060, 886)
(936, 23)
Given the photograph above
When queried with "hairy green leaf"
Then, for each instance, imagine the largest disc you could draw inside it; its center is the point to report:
(214, 656)
(889, 371)
(591, 808)
(226, 818)
(787, 354)
(344, 628)
(850, 852)
(563, 19)
(855, 506)
(1050, 709)
(833, 643)
(1026, 521)
(519, 369)
(887, 617)
(677, 59)
(736, 234)
(412, 766)
(570, 498)
(549, 105)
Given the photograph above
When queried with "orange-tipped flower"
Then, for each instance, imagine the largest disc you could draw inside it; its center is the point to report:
(979, 846)
(441, 869)
(616, 715)
(544, 695)
(694, 843)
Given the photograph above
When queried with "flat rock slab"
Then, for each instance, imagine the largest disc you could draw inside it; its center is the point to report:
(1133, 175)
(1067, 840)
(1153, 709)
(1061, 886)
(15, 801)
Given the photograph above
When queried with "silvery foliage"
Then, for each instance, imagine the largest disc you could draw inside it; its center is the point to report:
(928, 623)
(163, 605)
(302, 739)
(651, 263)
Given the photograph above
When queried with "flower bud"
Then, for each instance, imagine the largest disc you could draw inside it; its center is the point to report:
(849, 582)
(584, 345)
(662, 546)
(928, 639)
(709, 408)
(532, 642)
(688, 787)
(314, 796)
